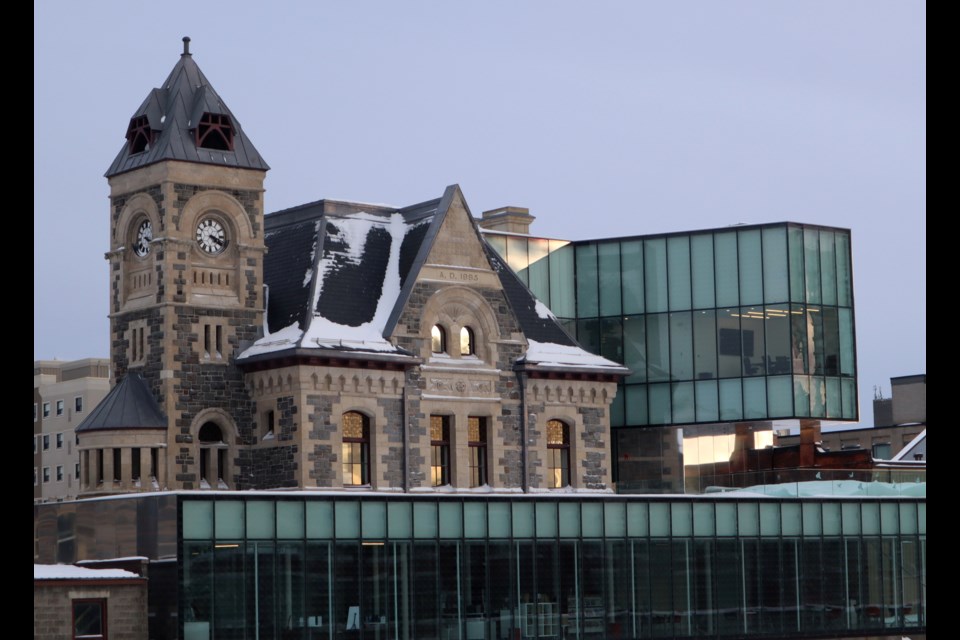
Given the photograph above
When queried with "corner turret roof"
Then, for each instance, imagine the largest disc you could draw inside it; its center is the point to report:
(129, 405)
(173, 112)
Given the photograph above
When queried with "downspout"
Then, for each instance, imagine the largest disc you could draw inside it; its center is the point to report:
(523, 431)
(403, 432)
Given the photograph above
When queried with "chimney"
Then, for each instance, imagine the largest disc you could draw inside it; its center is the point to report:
(508, 219)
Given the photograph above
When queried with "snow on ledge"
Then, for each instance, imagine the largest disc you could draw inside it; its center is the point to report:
(557, 355)
(70, 572)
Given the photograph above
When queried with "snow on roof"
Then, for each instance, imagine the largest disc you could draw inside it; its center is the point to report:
(549, 354)
(71, 572)
(353, 231)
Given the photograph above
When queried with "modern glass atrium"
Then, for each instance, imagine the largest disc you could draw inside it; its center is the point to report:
(743, 323)
(546, 567)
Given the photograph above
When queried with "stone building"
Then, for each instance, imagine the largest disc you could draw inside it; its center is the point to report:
(331, 345)
(64, 394)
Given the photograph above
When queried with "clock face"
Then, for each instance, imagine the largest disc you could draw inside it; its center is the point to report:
(141, 246)
(211, 236)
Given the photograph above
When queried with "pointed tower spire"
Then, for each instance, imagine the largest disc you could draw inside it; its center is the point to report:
(185, 119)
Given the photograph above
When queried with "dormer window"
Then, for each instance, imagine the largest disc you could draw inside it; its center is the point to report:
(139, 134)
(467, 342)
(438, 339)
(215, 131)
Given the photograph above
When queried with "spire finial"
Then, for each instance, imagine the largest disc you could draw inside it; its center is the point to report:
(186, 45)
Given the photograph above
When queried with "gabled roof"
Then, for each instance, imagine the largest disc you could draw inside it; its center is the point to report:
(129, 405)
(917, 446)
(339, 275)
(173, 111)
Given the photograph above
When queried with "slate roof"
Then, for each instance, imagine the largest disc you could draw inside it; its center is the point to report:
(129, 405)
(339, 275)
(173, 111)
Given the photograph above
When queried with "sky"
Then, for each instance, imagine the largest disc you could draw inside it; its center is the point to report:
(607, 118)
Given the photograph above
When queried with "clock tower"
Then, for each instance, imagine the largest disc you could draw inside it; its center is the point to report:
(186, 292)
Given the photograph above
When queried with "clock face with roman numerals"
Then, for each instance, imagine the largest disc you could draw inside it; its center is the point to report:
(141, 246)
(211, 236)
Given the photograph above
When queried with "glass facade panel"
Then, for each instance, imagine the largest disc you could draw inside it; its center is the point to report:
(801, 395)
(731, 400)
(197, 520)
(591, 524)
(260, 519)
(631, 257)
(707, 401)
(776, 281)
(726, 269)
(701, 265)
(754, 398)
(705, 344)
(229, 519)
(658, 347)
(636, 402)
(424, 520)
(659, 399)
(635, 347)
(795, 260)
(845, 320)
(683, 405)
(811, 265)
(608, 257)
(681, 519)
(569, 519)
(347, 519)
(828, 267)
(780, 396)
(562, 301)
(517, 256)
(681, 346)
(790, 519)
(546, 514)
(539, 270)
(499, 519)
(474, 520)
(588, 300)
(451, 520)
(374, 519)
(290, 519)
(319, 520)
(844, 275)
(655, 275)
(660, 519)
(729, 343)
(704, 520)
(848, 398)
(678, 272)
(522, 520)
(752, 321)
(611, 339)
(726, 519)
(400, 519)
(614, 519)
(748, 519)
(831, 519)
(750, 267)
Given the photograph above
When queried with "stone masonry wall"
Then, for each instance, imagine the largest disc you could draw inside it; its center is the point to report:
(323, 458)
(53, 609)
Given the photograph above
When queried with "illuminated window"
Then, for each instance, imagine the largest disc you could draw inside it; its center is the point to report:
(558, 454)
(439, 450)
(477, 443)
(356, 449)
(438, 339)
(467, 346)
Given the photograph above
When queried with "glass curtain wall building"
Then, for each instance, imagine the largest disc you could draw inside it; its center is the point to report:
(740, 324)
(258, 565)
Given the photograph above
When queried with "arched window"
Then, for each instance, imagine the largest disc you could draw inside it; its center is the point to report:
(213, 456)
(467, 344)
(558, 454)
(439, 450)
(356, 449)
(438, 339)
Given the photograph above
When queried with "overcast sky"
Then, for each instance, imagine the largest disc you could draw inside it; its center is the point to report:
(604, 118)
